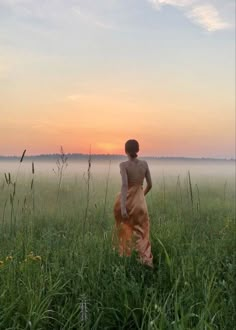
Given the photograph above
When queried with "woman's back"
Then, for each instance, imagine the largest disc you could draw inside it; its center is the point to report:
(136, 171)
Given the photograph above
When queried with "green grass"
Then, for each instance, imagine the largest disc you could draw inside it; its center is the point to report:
(81, 283)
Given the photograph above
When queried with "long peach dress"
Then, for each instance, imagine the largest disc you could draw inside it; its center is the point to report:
(133, 233)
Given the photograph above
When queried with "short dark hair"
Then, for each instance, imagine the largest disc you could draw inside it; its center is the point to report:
(132, 148)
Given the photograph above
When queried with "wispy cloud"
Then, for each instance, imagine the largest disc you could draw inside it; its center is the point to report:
(177, 3)
(200, 12)
(55, 10)
(208, 17)
(25, 8)
(88, 17)
(73, 97)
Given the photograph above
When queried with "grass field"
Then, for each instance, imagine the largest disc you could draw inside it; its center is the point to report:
(58, 270)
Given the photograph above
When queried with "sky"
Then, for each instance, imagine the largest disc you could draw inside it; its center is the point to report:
(94, 73)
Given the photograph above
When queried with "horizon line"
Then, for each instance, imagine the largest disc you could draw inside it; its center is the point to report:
(115, 155)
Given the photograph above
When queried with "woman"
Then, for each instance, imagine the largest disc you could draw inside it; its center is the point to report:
(130, 209)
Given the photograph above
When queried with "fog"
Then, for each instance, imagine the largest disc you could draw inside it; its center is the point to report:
(211, 169)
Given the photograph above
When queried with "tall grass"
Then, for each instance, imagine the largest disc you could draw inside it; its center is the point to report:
(88, 187)
(61, 164)
(61, 274)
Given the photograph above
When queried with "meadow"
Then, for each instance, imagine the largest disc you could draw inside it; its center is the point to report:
(57, 266)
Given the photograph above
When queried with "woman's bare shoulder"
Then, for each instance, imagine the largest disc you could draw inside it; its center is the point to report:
(143, 162)
(123, 164)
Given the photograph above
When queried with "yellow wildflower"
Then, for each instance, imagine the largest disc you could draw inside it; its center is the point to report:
(1, 263)
(9, 258)
(38, 258)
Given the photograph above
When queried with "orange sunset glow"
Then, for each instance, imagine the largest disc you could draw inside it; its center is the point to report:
(97, 84)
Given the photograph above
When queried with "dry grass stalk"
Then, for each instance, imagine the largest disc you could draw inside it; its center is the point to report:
(190, 189)
(106, 189)
(61, 166)
(88, 179)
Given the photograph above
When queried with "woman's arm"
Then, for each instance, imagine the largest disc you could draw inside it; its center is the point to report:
(148, 180)
(124, 190)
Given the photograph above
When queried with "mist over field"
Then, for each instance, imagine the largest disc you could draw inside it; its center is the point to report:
(200, 168)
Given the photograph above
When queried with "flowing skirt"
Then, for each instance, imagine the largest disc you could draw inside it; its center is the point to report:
(133, 233)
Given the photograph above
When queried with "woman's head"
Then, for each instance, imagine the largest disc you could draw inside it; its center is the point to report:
(132, 148)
